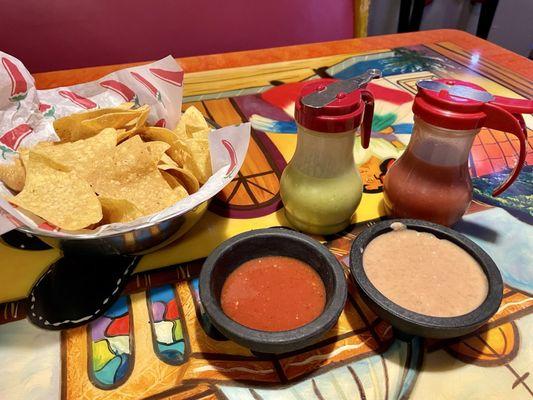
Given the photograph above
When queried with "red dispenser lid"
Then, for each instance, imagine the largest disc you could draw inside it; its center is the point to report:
(342, 114)
(447, 111)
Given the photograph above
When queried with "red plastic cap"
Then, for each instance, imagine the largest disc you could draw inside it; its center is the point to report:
(343, 114)
(451, 112)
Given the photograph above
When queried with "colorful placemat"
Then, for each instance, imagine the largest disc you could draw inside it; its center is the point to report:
(155, 341)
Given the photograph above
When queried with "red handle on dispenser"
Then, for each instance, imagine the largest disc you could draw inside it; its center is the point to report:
(501, 119)
(368, 115)
(514, 106)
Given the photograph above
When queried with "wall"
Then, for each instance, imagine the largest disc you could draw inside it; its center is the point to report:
(511, 28)
(61, 34)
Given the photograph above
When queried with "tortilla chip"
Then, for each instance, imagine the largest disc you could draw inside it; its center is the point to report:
(135, 156)
(175, 184)
(13, 175)
(140, 120)
(61, 198)
(24, 153)
(118, 210)
(202, 135)
(157, 149)
(65, 126)
(126, 106)
(182, 156)
(133, 175)
(89, 123)
(181, 192)
(165, 159)
(199, 149)
(191, 153)
(132, 127)
(156, 133)
(122, 134)
(125, 134)
(86, 157)
(91, 127)
(184, 176)
(171, 179)
(148, 191)
(181, 131)
(135, 170)
(194, 120)
(178, 150)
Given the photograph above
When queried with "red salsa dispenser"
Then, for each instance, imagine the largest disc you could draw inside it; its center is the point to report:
(431, 180)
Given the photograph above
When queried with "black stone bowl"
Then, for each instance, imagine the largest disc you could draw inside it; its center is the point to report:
(412, 323)
(272, 242)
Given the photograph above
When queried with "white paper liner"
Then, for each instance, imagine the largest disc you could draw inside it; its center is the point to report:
(27, 115)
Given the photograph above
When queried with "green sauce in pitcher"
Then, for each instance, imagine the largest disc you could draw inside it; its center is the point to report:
(321, 187)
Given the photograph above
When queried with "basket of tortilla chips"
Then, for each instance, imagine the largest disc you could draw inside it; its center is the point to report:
(102, 175)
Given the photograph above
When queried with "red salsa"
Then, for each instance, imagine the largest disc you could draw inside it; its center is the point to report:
(273, 293)
(414, 188)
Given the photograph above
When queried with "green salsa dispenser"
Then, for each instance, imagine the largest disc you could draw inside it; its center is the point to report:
(321, 186)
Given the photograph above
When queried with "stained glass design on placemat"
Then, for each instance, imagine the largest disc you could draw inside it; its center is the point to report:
(169, 334)
(111, 345)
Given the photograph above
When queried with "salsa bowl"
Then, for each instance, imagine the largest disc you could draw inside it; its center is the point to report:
(272, 242)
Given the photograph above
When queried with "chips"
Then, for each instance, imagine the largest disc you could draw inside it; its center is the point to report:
(193, 121)
(134, 125)
(190, 153)
(178, 151)
(13, 175)
(61, 198)
(131, 156)
(86, 124)
(85, 157)
(157, 150)
(118, 210)
(109, 167)
(184, 176)
(148, 191)
(199, 149)
(172, 181)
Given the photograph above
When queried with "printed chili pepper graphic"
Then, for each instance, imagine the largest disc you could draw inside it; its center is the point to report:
(19, 86)
(13, 137)
(77, 99)
(232, 156)
(121, 89)
(173, 77)
(161, 123)
(147, 84)
(47, 110)
(5, 150)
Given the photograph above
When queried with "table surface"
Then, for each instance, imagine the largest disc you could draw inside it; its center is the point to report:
(487, 50)
(155, 341)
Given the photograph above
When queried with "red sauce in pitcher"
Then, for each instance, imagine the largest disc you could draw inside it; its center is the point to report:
(414, 188)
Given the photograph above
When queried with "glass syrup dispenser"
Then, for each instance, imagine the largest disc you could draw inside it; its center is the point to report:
(321, 186)
(431, 179)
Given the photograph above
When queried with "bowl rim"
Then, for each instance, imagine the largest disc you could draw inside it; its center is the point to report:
(246, 336)
(90, 236)
(474, 318)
